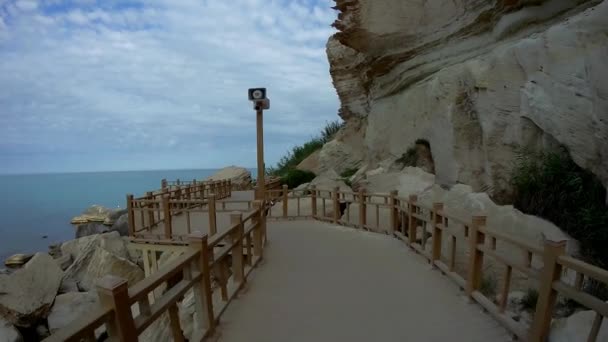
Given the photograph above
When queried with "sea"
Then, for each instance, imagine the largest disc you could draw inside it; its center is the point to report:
(36, 209)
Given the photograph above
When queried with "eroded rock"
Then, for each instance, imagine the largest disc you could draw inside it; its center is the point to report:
(26, 295)
(8, 333)
(70, 306)
(240, 176)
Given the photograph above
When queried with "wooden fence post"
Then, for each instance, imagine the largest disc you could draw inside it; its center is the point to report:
(336, 204)
(547, 296)
(212, 215)
(362, 209)
(313, 200)
(167, 218)
(131, 215)
(114, 292)
(237, 249)
(285, 199)
(257, 232)
(412, 222)
(476, 238)
(202, 291)
(230, 187)
(150, 208)
(437, 233)
(394, 212)
(163, 183)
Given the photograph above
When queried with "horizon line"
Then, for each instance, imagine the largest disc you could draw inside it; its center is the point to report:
(115, 171)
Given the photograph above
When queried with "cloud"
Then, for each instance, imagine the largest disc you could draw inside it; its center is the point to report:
(89, 84)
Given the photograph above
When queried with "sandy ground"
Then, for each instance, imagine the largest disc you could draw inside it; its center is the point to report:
(320, 282)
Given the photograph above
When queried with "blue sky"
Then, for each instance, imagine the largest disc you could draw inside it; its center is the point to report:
(91, 85)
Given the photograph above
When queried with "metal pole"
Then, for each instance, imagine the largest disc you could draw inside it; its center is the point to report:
(261, 184)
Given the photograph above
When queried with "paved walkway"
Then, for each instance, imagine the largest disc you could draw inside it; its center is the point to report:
(321, 282)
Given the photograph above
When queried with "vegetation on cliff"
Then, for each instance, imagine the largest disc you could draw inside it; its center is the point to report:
(288, 163)
(552, 186)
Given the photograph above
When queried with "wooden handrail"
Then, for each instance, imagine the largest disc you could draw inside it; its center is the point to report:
(191, 270)
(483, 241)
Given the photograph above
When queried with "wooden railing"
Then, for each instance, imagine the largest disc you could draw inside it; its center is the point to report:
(415, 224)
(158, 207)
(228, 258)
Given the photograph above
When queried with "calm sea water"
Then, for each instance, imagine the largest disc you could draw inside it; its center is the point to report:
(33, 206)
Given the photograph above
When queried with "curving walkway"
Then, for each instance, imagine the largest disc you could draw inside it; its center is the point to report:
(321, 282)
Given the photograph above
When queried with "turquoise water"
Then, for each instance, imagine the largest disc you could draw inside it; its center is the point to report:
(33, 206)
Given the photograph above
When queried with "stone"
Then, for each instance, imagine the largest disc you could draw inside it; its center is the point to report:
(121, 225)
(300, 190)
(576, 328)
(111, 241)
(8, 333)
(70, 306)
(17, 260)
(310, 163)
(91, 228)
(114, 216)
(188, 318)
(330, 180)
(530, 76)
(346, 151)
(95, 263)
(95, 213)
(240, 177)
(64, 261)
(158, 331)
(27, 293)
(42, 331)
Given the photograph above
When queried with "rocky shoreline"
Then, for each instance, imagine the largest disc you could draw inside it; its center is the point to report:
(46, 291)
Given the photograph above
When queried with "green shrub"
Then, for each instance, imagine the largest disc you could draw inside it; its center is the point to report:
(552, 186)
(488, 286)
(409, 158)
(300, 152)
(294, 178)
(528, 302)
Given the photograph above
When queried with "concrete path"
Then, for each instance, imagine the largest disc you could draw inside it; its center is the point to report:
(321, 282)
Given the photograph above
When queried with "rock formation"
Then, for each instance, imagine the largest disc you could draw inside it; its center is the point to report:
(27, 294)
(478, 80)
(240, 176)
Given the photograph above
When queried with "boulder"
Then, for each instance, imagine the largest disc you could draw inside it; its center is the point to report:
(70, 306)
(240, 176)
(114, 216)
(301, 190)
(111, 242)
(188, 318)
(310, 163)
(8, 333)
(121, 225)
(576, 328)
(95, 213)
(409, 181)
(158, 331)
(27, 294)
(91, 228)
(330, 180)
(17, 260)
(97, 262)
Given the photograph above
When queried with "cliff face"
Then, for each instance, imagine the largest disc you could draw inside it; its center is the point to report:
(477, 79)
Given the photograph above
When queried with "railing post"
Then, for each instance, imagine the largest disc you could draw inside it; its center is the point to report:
(437, 233)
(547, 296)
(236, 218)
(362, 209)
(257, 232)
(412, 222)
(394, 212)
(202, 291)
(114, 292)
(131, 215)
(230, 187)
(285, 199)
(336, 204)
(476, 238)
(313, 200)
(212, 215)
(163, 184)
(150, 208)
(167, 218)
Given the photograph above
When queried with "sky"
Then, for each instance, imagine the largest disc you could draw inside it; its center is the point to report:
(115, 85)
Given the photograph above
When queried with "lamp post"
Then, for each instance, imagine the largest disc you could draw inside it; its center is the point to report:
(260, 102)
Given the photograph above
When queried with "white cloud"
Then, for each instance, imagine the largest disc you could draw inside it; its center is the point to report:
(26, 5)
(159, 74)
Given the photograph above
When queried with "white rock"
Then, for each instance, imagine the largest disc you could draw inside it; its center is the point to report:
(477, 90)
(111, 242)
(240, 176)
(27, 293)
(95, 263)
(576, 328)
(70, 306)
(8, 333)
